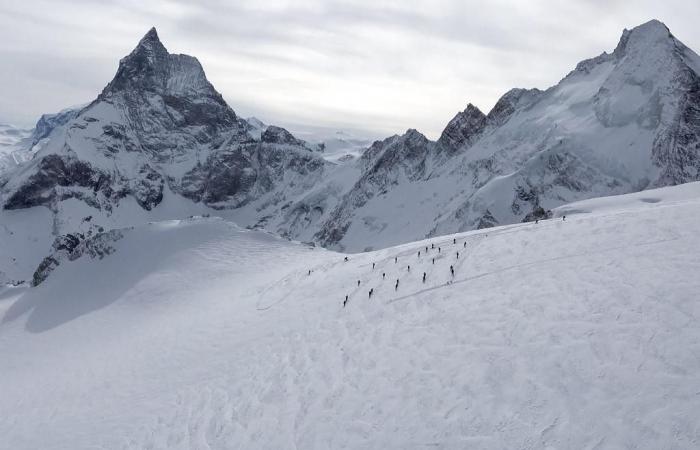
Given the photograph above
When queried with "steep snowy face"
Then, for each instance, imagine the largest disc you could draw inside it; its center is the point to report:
(385, 166)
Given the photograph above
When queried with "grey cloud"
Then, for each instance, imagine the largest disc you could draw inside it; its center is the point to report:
(385, 65)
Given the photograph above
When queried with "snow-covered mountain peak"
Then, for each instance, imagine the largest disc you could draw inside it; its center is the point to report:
(278, 135)
(150, 67)
(463, 127)
(649, 36)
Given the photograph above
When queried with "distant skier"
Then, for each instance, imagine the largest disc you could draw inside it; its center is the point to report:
(309, 272)
(432, 246)
(457, 255)
(452, 270)
(346, 259)
(370, 292)
(397, 285)
(423, 277)
(454, 241)
(419, 253)
(439, 249)
(358, 282)
(433, 261)
(409, 268)
(372, 266)
(346, 301)
(537, 221)
(563, 218)
(426, 249)
(465, 244)
(396, 259)
(383, 275)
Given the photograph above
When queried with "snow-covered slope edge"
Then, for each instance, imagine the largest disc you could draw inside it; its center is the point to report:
(197, 334)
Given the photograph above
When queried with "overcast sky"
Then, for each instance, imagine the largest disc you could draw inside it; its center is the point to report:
(367, 64)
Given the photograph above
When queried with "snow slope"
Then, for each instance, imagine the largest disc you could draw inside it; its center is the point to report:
(580, 333)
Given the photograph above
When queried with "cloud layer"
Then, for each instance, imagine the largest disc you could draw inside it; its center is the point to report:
(383, 66)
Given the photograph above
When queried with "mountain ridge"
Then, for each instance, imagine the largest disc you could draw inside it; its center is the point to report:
(619, 122)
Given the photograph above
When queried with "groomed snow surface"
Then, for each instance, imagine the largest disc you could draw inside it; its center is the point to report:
(196, 334)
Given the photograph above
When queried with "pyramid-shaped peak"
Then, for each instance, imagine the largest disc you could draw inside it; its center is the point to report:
(150, 42)
(152, 34)
(645, 37)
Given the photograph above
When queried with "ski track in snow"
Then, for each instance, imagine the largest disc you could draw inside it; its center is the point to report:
(564, 334)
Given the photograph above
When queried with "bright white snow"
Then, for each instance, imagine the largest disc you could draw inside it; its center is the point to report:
(580, 333)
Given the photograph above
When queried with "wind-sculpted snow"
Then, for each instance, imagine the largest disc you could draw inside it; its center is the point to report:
(576, 333)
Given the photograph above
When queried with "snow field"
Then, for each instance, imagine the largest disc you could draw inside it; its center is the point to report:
(580, 333)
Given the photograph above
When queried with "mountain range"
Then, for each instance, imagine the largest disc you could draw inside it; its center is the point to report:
(160, 142)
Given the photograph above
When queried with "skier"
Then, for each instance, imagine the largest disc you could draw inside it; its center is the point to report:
(396, 259)
(372, 266)
(423, 277)
(383, 275)
(457, 255)
(397, 285)
(358, 282)
(454, 241)
(426, 249)
(309, 272)
(452, 270)
(563, 218)
(370, 292)
(433, 261)
(409, 268)
(346, 301)
(419, 253)
(432, 246)
(465, 244)
(346, 259)
(439, 249)
(537, 221)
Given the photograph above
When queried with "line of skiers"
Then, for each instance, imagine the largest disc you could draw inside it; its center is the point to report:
(408, 267)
